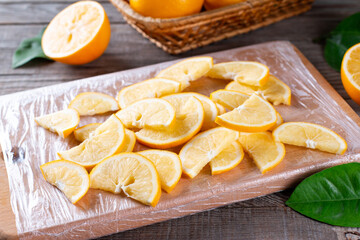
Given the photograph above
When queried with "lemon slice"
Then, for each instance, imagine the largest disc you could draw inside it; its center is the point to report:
(240, 87)
(130, 173)
(71, 178)
(221, 109)
(279, 121)
(168, 166)
(148, 113)
(62, 122)
(254, 115)
(262, 148)
(187, 70)
(107, 139)
(84, 132)
(229, 99)
(151, 88)
(78, 34)
(189, 119)
(204, 147)
(227, 159)
(310, 135)
(350, 72)
(247, 72)
(91, 103)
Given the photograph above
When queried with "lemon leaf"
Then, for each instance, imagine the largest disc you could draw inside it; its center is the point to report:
(28, 50)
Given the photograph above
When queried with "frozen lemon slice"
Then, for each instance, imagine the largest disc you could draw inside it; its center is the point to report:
(240, 87)
(91, 103)
(262, 148)
(229, 99)
(310, 135)
(254, 115)
(221, 109)
(151, 112)
(279, 121)
(189, 119)
(187, 70)
(204, 147)
(168, 166)
(107, 139)
(247, 72)
(151, 88)
(227, 159)
(130, 173)
(71, 178)
(62, 122)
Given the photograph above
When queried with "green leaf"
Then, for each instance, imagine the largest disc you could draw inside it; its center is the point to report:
(28, 50)
(331, 196)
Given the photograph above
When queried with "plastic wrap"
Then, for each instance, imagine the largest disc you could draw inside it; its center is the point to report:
(42, 211)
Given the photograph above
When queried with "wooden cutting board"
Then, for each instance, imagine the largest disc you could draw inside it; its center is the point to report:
(314, 100)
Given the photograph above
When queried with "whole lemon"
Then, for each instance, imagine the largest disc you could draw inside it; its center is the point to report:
(166, 8)
(213, 4)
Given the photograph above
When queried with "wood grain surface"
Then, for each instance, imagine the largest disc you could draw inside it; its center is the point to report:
(261, 218)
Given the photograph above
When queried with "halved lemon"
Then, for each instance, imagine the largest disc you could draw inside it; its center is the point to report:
(247, 72)
(168, 166)
(254, 115)
(229, 99)
(189, 119)
(310, 135)
(148, 113)
(62, 122)
(204, 147)
(350, 72)
(78, 34)
(71, 178)
(91, 103)
(151, 88)
(262, 148)
(187, 70)
(130, 173)
(108, 139)
(227, 159)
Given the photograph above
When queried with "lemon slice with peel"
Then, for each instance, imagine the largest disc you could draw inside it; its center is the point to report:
(107, 139)
(254, 115)
(130, 173)
(229, 99)
(204, 147)
(262, 148)
(279, 121)
(187, 70)
(310, 135)
(91, 103)
(227, 159)
(168, 166)
(189, 119)
(221, 109)
(247, 72)
(148, 113)
(71, 178)
(62, 122)
(151, 88)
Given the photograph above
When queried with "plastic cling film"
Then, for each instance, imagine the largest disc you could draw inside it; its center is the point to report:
(42, 211)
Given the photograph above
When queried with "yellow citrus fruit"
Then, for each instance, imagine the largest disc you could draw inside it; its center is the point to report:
(262, 148)
(187, 70)
(274, 90)
(168, 166)
(62, 122)
(310, 135)
(71, 178)
(130, 173)
(189, 119)
(246, 72)
(229, 99)
(107, 139)
(227, 159)
(350, 72)
(204, 147)
(151, 88)
(154, 113)
(213, 4)
(91, 103)
(166, 9)
(254, 115)
(78, 34)
(279, 121)
(221, 109)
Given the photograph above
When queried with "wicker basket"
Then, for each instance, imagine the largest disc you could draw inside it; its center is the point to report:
(177, 35)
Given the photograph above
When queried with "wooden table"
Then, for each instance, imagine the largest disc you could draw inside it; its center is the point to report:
(261, 218)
